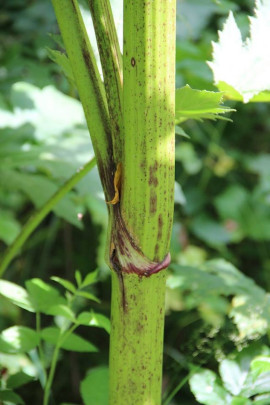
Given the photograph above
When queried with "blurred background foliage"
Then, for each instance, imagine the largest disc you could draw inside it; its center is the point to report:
(222, 211)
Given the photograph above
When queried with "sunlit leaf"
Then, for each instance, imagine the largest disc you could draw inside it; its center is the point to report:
(78, 278)
(91, 278)
(16, 294)
(65, 283)
(42, 295)
(94, 319)
(198, 105)
(207, 388)
(261, 364)
(18, 339)
(241, 68)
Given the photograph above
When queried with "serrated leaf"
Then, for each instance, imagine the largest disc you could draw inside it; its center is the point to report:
(91, 278)
(64, 283)
(207, 388)
(95, 387)
(18, 339)
(16, 294)
(88, 295)
(198, 104)
(241, 67)
(42, 295)
(94, 319)
(234, 374)
(73, 342)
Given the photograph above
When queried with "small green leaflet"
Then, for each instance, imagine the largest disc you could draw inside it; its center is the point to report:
(241, 68)
(62, 60)
(198, 105)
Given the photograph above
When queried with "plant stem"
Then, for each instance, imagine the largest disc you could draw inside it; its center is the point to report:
(111, 61)
(179, 386)
(40, 351)
(90, 87)
(137, 340)
(49, 382)
(40, 214)
(149, 98)
(141, 224)
(48, 385)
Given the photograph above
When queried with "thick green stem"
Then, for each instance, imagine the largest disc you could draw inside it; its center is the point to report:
(40, 214)
(142, 211)
(137, 340)
(149, 97)
(142, 221)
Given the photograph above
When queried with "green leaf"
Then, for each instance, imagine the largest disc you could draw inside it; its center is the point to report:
(255, 384)
(16, 294)
(10, 397)
(241, 401)
(261, 364)
(210, 231)
(19, 379)
(87, 295)
(198, 105)
(91, 278)
(39, 189)
(61, 310)
(9, 226)
(207, 388)
(241, 67)
(78, 278)
(65, 283)
(62, 60)
(72, 342)
(262, 399)
(94, 319)
(220, 278)
(18, 339)
(42, 295)
(234, 374)
(186, 154)
(95, 387)
(181, 132)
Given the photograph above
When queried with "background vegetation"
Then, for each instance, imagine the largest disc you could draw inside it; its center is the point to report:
(218, 317)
